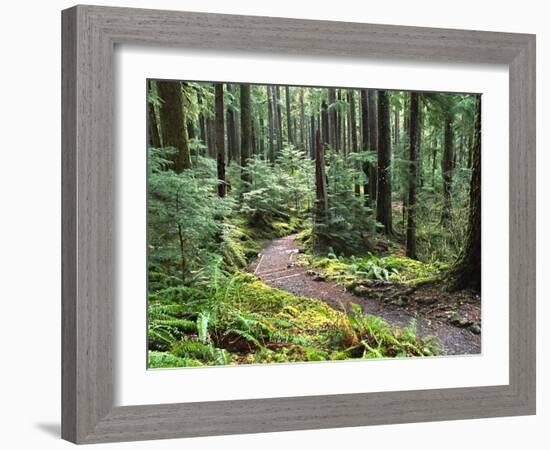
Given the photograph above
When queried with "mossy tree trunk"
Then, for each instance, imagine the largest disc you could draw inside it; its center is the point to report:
(321, 194)
(353, 132)
(153, 136)
(466, 272)
(174, 123)
(414, 133)
(383, 202)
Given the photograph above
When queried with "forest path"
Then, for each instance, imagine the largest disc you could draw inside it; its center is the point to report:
(275, 267)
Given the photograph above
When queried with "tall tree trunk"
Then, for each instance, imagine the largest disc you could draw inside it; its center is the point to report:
(270, 123)
(173, 123)
(303, 137)
(211, 133)
(261, 138)
(277, 102)
(321, 194)
(413, 159)
(353, 131)
(202, 121)
(332, 119)
(466, 272)
(383, 203)
(232, 134)
(246, 130)
(220, 139)
(373, 142)
(153, 136)
(396, 115)
(190, 130)
(365, 145)
(325, 123)
(447, 167)
(288, 116)
(312, 137)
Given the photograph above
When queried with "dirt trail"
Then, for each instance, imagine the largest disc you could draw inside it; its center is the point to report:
(275, 267)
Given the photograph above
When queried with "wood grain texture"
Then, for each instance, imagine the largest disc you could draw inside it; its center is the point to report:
(89, 36)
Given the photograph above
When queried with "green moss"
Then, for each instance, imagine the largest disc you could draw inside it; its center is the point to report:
(192, 349)
(351, 271)
(161, 360)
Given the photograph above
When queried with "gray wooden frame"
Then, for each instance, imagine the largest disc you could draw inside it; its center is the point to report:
(89, 36)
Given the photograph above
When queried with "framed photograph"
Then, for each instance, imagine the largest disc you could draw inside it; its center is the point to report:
(266, 229)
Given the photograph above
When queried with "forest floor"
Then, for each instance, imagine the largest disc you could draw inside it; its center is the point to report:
(451, 317)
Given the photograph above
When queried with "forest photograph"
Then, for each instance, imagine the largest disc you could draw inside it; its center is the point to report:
(297, 224)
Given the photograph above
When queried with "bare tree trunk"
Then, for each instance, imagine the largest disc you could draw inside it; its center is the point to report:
(246, 130)
(325, 123)
(447, 167)
(312, 138)
(270, 123)
(288, 116)
(232, 134)
(303, 137)
(173, 123)
(383, 203)
(261, 138)
(220, 139)
(332, 118)
(277, 102)
(365, 145)
(373, 142)
(202, 121)
(413, 159)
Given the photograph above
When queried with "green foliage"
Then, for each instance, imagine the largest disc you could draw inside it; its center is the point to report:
(245, 321)
(352, 270)
(349, 222)
(279, 195)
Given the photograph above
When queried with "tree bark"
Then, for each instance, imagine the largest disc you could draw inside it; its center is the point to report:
(383, 203)
(202, 121)
(153, 136)
(173, 123)
(312, 138)
(413, 160)
(325, 123)
(373, 142)
(232, 134)
(289, 136)
(466, 272)
(447, 167)
(220, 139)
(270, 123)
(353, 131)
(365, 145)
(303, 138)
(321, 194)
(277, 102)
(246, 130)
(332, 119)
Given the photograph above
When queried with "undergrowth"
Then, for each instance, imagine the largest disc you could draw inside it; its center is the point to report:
(240, 320)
